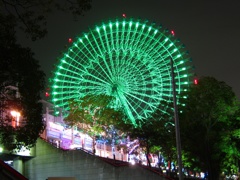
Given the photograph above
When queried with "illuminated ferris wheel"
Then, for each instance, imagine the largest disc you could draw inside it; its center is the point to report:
(128, 59)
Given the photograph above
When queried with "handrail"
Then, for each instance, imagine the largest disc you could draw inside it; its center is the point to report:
(12, 171)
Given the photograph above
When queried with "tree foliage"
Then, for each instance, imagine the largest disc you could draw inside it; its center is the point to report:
(19, 73)
(31, 15)
(157, 131)
(208, 123)
(94, 114)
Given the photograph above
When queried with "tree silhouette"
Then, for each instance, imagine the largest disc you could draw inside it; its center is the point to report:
(208, 123)
(31, 16)
(21, 84)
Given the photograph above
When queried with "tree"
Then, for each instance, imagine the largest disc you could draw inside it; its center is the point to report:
(207, 124)
(157, 130)
(144, 131)
(93, 114)
(31, 15)
(21, 84)
(230, 144)
(19, 72)
(165, 128)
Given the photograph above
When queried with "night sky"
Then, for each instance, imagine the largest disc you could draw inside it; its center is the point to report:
(210, 29)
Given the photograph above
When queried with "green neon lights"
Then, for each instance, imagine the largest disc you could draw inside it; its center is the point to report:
(127, 59)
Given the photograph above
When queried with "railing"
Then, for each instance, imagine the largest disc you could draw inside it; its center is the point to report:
(10, 173)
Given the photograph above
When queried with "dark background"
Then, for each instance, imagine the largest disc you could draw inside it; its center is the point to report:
(210, 29)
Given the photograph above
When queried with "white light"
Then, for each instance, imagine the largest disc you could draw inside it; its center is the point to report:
(132, 162)
(24, 152)
(72, 146)
(16, 115)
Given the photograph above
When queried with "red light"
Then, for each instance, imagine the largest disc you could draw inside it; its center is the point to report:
(172, 32)
(47, 94)
(70, 40)
(195, 81)
(124, 15)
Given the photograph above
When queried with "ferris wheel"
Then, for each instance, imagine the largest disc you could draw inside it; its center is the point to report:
(125, 58)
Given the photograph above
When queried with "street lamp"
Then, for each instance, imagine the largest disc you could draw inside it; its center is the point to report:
(16, 116)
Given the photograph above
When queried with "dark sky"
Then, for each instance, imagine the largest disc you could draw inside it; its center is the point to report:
(210, 29)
